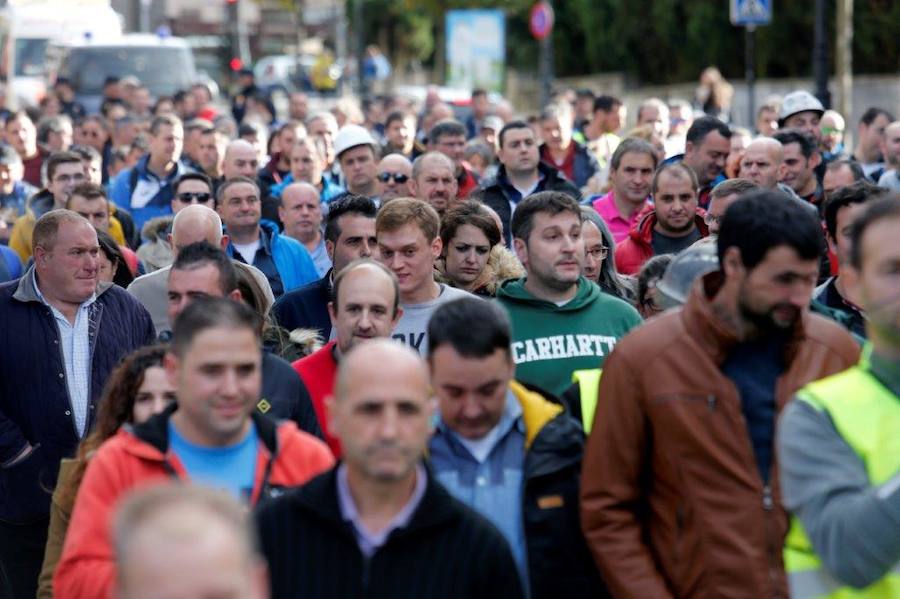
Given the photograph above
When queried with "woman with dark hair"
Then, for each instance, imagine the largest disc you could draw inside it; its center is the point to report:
(136, 390)
(473, 257)
(599, 247)
(113, 268)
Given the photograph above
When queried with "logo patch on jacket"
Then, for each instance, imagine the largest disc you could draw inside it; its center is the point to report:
(263, 406)
(549, 502)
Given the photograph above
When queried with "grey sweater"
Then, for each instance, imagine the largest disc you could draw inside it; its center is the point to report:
(854, 526)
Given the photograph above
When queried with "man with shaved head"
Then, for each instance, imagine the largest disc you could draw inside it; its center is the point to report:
(399, 517)
(192, 224)
(433, 180)
(763, 162)
(394, 174)
(301, 213)
(242, 160)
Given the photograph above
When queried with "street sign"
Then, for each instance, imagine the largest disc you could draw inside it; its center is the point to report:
(751, 12)
(540, 21)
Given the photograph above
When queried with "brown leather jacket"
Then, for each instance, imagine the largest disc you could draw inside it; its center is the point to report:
(672, 503)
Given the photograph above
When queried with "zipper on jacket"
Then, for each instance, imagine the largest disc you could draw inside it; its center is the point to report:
(367, 563)
(768, 502)
(711, 402)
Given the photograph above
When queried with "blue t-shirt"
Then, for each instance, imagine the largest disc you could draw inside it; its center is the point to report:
(231, 468)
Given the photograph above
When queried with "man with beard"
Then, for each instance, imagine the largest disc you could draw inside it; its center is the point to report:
(682, 445)
(674, 223)
(433, 181)
(561, 322)
(837, 440)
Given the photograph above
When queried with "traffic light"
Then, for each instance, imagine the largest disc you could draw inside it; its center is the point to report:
(236, 64)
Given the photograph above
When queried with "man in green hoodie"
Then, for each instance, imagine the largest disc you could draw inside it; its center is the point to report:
(561, 321)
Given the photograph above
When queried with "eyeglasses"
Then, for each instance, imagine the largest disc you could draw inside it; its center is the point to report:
(598, 253)
(399, 178)
(188, 197)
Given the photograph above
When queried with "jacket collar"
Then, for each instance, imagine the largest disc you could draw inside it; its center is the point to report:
(643, 230)
(712, 332)
(155, 431)
(25, 289)
(319, 496)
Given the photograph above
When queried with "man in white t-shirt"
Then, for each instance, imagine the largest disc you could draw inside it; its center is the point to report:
(408, 244)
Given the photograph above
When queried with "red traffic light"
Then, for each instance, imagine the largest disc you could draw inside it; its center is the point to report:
(236, 64)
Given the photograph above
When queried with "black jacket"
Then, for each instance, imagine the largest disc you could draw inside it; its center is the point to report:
(496, 192)
(306, 307)
(35, 406)
(446, 550)
(559, 562)
(285, 397)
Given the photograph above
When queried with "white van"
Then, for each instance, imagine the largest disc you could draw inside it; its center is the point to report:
(29, 27)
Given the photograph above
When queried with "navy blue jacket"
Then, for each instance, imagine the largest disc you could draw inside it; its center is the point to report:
(34, 400)
(306, 307)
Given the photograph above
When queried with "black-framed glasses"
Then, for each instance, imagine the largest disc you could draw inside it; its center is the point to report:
(399, 178)
(194, 197)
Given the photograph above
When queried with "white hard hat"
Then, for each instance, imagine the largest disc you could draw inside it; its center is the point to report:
(798, 101)
(351, 136)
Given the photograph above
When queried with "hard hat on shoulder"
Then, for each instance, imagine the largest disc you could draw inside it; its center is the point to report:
(796, 102)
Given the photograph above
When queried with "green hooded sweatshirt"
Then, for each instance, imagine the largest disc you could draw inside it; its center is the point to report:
(549, 342)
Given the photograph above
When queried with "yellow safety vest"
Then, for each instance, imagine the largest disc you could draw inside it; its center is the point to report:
(588, 388)
(867, 416)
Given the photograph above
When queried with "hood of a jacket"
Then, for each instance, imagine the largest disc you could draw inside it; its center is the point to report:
(40, 203)
(514, 291)
(553, 439)
(157, 229)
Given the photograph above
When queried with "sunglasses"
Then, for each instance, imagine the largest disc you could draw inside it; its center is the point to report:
(399, 178)
(201, 197)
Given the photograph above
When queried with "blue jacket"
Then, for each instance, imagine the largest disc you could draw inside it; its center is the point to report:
(10, 265)
(306, 307)
(34, 401)
(142, 193)
(293, 262)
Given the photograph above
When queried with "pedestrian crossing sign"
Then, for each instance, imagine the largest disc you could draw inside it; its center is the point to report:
(751, 12)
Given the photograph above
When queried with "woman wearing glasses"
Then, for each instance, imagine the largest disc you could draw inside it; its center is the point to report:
(599, 246)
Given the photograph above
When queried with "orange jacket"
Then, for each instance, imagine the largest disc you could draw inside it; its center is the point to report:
(139, 457)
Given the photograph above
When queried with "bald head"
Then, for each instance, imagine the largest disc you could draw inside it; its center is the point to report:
(196, 223)
(763, 162)
(241, 160)
(186, 541)
(394, 164)
(378, 361)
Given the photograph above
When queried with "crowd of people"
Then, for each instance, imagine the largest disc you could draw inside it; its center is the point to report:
(394, 350)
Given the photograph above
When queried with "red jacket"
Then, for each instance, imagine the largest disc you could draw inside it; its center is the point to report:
(318, 371)
(637, 248)
(139, 457)
(467, 181)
